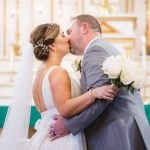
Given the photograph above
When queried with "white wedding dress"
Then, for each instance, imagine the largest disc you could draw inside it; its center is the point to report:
(40, 140)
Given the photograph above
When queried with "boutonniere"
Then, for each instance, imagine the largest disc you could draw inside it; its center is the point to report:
(77, 66)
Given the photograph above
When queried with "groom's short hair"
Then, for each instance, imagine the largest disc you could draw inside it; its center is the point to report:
(92, 21)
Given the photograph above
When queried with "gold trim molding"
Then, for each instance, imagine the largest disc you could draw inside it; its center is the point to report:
(16, 46)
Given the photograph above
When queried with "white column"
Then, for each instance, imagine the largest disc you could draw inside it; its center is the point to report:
(41, 11)
(2, 27)
(26, 22)
(141, 24)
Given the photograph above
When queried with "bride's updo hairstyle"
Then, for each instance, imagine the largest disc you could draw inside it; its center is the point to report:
(42, 36)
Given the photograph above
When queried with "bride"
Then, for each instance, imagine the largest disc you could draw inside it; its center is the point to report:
(56, 92)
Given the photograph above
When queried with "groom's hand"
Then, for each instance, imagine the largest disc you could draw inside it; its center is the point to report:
(58, 129)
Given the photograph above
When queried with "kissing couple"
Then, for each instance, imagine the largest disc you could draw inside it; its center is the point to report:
(99, 116)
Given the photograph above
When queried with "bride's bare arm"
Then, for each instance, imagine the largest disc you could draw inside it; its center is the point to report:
(61, 91)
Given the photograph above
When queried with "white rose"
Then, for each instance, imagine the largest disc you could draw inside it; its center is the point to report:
(121, 59)
(112, 67)
(138, 83)
(128, 73)
(139, 78)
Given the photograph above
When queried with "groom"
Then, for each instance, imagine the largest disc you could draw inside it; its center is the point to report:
(117, 125)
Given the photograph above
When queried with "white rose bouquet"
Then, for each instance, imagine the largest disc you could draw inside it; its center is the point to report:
(123, 72)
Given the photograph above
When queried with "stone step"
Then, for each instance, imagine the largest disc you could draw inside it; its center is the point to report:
(7, 77)
(6, 90)
(8, 64)
(5, 100)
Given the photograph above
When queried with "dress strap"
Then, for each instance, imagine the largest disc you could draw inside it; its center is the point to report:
(46, 90)
(50, 70)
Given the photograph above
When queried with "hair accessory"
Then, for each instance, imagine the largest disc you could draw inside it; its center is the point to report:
(40, 44)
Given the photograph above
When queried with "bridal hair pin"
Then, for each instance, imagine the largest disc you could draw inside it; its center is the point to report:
(40, 44)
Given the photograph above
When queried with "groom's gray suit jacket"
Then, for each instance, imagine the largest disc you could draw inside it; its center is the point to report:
(117, 125)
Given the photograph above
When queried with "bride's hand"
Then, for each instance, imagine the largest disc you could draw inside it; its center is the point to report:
(107, 92)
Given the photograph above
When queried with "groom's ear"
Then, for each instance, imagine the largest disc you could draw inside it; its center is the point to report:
(85, 28)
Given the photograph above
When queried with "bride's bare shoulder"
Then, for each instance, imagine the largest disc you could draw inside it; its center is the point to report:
(59, 76)
(59, 73)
